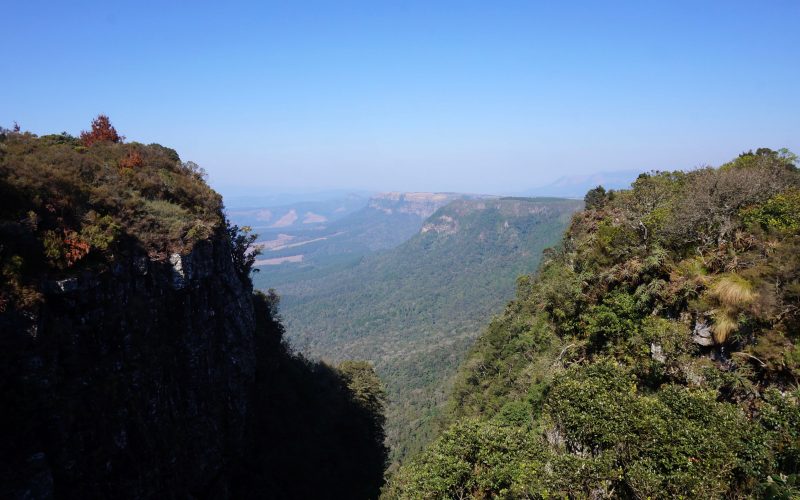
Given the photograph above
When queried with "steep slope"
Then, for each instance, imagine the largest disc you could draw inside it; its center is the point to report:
(414, 310)
(655, 354)
(135, 362)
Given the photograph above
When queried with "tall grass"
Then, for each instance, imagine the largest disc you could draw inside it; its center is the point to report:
(723, 326)
(733, 291)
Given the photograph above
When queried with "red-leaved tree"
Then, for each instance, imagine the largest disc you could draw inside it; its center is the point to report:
(133, 160)
(102, 130)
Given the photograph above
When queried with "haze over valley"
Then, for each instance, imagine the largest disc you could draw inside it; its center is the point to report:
(400, 250)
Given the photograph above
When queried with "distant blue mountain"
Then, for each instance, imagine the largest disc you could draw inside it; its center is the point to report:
(576, 186)
(246, 199)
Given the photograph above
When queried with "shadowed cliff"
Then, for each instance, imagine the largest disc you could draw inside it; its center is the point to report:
(135, 361)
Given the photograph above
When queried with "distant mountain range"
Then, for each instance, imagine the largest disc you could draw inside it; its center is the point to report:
(303, 215)
(576, 186)
(414, 310)
(243, 198)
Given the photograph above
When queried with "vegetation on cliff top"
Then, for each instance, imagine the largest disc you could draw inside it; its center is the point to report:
(69, 203)
(656, 353)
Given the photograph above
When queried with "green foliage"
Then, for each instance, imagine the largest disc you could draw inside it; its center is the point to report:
(475, 460)
(750, 159)
(780, 416)
(100, 231)
(781, 487)
(243, 251)
(591, 406)
(604, 435)
(670, 338)
(515, 413)
(693, 446)
(560, 290)
(365, 385)
(617, 318)
(671, 363)
(779, 213)
(595, 198)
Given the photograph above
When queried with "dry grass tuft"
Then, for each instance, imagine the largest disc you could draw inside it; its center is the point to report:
(723, 326)
(733, 291)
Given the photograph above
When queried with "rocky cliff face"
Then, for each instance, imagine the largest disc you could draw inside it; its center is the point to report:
(135, 380)
(420, 204)
(135, 359)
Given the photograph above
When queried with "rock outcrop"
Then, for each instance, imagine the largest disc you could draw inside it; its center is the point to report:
(420, 204)
(136, 379)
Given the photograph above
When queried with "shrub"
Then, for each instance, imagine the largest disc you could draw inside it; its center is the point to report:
(779, 213)
(595, 198)
(132, 160)
(672, 337)
(679, 442)
(780, 416)
(478, 460)
(102, 131)
(515, 413)
(589, 405)
(617, 318)
(244, 253)
(707, 210)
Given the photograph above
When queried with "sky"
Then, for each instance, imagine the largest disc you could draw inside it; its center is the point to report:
(488, 96)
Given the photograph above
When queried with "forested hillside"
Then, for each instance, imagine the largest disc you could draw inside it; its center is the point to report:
(291, 255)
(135, 359)
(656, 352)
(415, 310)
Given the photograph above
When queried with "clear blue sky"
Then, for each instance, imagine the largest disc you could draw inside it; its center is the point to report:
(489, 96)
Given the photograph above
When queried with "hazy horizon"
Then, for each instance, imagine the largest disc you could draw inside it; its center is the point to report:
(574, 186)
(464, 97)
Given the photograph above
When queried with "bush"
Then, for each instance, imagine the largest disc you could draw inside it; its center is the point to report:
(680, 442)
(476, 460)
(780, 416)
(779, 213)
(617, 318)
(595, 198)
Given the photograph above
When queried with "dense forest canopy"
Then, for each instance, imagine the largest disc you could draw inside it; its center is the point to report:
(415, 310)
(656, 353)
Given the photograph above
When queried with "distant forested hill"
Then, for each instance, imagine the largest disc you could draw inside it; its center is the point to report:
(655, 354)
(304, 251)
(415, 310)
